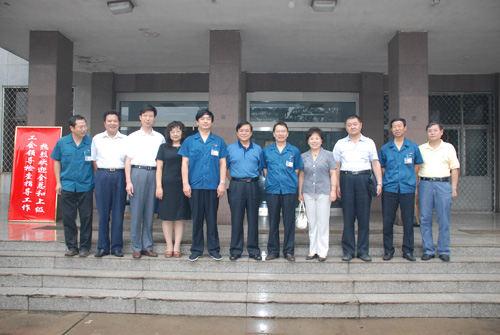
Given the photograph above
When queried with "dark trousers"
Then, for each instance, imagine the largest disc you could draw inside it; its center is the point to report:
(244, 196)
(390, 203)
(204, 206)
(110, 196)
(284, 203)
(356, 202)
(72, 202)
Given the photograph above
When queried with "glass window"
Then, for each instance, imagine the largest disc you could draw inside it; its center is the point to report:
(167, 110)
(476, 152)
(445, 109)
(300, 111)
(476, 109)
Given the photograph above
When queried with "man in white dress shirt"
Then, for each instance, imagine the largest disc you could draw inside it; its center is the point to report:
(140, 174)
(108, 156)
(356, 156)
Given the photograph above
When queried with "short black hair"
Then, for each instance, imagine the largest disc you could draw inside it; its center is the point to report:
(172, 125)
(398, 119)
(74, 118)
(350, 117)
(204, 111)
(147, 108)
(242, 123)
(280, 123)
(110, 112)
(433, 123)
(315, 130)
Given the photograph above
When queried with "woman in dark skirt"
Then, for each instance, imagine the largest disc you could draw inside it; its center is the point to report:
(174, 205)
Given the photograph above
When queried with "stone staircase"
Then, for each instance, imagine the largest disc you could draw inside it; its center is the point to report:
(35, 276)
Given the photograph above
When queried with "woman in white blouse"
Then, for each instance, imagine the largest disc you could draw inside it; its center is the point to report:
(318, 189)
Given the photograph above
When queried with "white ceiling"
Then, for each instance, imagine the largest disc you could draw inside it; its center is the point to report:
(463, 35)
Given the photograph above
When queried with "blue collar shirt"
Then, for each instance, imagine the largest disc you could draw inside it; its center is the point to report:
(243, 162)
(204, 157)
(399, 165)
(77, 171)
(281, 166)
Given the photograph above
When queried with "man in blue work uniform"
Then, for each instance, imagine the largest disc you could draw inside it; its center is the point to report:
(281, 163)
(75, 184)
(203, 182)
(400, 160)
(243, 164)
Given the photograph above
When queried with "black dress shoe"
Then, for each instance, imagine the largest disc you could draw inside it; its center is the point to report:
(234, 257)
(101, 253)
(72, 252)
(347, 257)
(427, 257)
(444, 258)
(117, 253)
(321, 259)
(256, 257)
(310, 258)
(290, 257)
(365, 257)
(270, 257)
(388, 256)
(409, 257)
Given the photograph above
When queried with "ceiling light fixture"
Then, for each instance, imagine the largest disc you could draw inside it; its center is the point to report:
(120, 7)
(323, 5)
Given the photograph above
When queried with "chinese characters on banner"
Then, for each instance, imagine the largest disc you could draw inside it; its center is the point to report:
(32, 195)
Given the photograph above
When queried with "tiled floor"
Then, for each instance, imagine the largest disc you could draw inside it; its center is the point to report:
(466, 229)
(21, 322)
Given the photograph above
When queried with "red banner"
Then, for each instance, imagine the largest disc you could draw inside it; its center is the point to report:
(32, 192)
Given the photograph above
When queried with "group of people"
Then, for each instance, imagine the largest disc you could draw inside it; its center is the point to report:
(188, 176)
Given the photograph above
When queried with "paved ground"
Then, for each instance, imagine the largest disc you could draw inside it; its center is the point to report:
(467, 228)
(14, 322)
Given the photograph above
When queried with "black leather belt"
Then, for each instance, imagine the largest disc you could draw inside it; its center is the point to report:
(110, 170)
(435, 179)
(144, 167)
(354, 173)
(246, 180)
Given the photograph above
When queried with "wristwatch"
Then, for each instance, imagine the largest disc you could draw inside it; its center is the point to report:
(223, 181)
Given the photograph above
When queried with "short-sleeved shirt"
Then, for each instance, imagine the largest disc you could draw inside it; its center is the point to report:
(143, 147)
(317, 172)
(109, 152)
(438, 162)
(281, 176)
(77, 172)
(243, 162)
(399, 165)
(355, 156)
(204, 157)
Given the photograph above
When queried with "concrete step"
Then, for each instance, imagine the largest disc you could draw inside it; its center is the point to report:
(36, 276)
(251, 304)
(333, 265)
(376, 250)
(250, 282)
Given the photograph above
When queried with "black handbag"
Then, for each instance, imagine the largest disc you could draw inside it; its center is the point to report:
(372, 186)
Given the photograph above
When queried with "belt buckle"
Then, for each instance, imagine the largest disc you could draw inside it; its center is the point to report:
(355, 173)
(112, 170)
